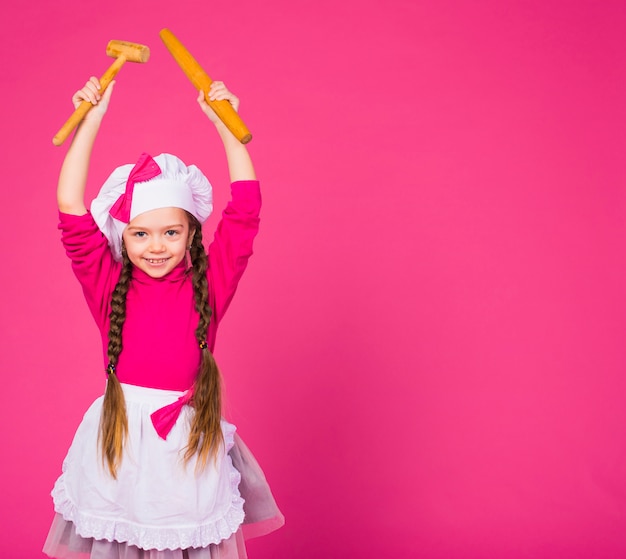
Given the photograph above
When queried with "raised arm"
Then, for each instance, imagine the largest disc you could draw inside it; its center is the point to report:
(239, 163)
(73, 176)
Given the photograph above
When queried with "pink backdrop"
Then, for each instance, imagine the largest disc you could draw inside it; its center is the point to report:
(427, 351)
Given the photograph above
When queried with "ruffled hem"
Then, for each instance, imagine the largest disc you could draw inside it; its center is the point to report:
(64, 543)
(156, 503)
(156, 537)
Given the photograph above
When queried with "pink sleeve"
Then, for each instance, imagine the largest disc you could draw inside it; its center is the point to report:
(232, 246)
(92, 262)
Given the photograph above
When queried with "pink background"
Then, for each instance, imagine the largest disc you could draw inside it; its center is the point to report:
(427, 351)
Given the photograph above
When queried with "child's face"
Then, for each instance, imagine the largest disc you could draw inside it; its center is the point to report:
(156, 241)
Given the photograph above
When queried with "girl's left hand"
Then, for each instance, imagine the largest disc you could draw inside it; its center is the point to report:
(217, 92)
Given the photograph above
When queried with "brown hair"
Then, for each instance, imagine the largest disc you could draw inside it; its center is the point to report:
(205, 436)
(113, 421)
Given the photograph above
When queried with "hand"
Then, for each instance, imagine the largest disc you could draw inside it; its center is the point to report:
(217, 92)
(92, 93)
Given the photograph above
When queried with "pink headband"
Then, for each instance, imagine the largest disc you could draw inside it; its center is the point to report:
(144, 170)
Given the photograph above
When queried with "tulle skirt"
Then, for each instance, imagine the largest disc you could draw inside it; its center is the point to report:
(159, 507)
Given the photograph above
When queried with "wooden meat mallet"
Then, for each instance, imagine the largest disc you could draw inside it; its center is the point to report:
(201, 81)
(122, 51)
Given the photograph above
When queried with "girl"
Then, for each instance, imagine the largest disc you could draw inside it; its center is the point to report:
(154, 471)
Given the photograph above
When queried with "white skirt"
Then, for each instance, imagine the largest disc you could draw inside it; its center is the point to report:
(157, 502)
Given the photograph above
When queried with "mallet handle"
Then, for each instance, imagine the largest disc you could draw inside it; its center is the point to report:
(201, 81)
(86, 106)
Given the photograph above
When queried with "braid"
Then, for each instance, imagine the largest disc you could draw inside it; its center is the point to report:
(206, 433)
(113, 421)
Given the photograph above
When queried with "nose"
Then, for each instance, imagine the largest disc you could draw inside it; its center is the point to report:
(156, 245)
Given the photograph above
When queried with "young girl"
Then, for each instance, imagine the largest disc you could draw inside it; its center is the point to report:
(154, 471)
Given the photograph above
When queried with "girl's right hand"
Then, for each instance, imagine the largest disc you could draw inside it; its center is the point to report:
(91, 92)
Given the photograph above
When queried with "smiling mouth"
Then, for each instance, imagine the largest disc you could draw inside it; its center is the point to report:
(156, 260)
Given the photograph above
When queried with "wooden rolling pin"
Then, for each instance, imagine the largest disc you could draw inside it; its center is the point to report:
(201, 81)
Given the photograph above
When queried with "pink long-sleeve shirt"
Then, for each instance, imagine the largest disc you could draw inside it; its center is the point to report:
(160, 349)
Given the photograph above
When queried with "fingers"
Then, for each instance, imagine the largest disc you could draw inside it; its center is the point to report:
(219, 92)
(90, 92)
(93, 94)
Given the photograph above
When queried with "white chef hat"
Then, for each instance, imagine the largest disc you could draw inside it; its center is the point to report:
(162, 182)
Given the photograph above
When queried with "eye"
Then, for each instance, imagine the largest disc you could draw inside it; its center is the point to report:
(171, 233)
(140, 234)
